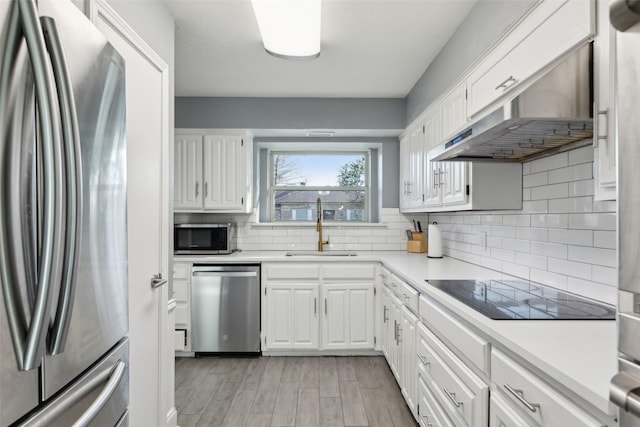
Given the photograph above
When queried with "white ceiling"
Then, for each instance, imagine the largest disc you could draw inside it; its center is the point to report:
(370, 49)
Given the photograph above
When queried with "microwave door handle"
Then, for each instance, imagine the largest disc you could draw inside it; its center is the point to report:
(73, 179)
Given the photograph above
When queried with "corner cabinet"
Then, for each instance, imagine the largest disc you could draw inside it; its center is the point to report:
(213, 171)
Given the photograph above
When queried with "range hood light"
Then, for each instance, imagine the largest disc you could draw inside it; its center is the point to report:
(290, 29)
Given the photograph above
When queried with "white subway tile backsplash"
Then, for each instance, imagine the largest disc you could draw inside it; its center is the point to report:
(571, 173)
(571, 237)
(605, 239)
(597, 256)
(561, 237)
(535, 180)
(570, 268)
(572, 204)
(593, 221)
(552, 191)
(581, 155)
(537, 261)
(548, 163)
(606, 275)
(550, 221)
(553, 250)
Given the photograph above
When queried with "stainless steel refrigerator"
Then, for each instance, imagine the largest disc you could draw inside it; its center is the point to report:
(625, 386)
(63, 237)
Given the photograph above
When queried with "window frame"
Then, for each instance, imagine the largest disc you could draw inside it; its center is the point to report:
(271, 188)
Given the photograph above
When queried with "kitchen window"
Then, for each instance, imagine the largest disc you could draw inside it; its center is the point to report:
(296, 178)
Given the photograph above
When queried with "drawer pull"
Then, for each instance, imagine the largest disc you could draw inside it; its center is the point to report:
(423, 359)
(385, 318)
(425, 419)
(406, 297)
(519, 394)
(506, 84)
(452, 397)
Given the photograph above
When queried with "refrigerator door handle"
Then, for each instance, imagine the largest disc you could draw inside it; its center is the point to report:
(115, 377)
(29, 337)
(624, 392)
(73, 179)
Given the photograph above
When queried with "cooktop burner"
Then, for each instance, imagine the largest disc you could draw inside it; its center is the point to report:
(523, 300)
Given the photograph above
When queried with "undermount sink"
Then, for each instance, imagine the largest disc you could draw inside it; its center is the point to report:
(316, 253)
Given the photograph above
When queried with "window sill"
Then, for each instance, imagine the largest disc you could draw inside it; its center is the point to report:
(324, 224)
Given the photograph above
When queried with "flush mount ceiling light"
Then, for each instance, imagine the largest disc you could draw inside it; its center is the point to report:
(290, 29)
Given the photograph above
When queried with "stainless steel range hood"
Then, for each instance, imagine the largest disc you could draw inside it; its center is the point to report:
(551, 115)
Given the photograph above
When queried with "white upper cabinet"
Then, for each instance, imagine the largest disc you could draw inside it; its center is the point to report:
(550, 31)
(604, 168)
(213, 171)
(188, 172)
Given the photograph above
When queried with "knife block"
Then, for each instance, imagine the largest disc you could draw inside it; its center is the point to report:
(419, 242)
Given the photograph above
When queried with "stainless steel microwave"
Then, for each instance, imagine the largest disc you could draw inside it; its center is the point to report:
(205, 239)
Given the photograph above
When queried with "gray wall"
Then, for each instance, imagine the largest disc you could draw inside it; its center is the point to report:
(290, 113)
(485, 24)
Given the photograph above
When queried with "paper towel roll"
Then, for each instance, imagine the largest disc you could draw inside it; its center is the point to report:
(435, 241)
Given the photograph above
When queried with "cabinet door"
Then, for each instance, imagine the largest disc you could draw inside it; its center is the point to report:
(416, 167)
(188, 172)
(409, 362)
(433, 178)
(385, 332)
(405, 149)
(224, 172)
(292, 316)
(395, 323)
(454, 183)
(554, 29)
(604, 129)
(348, 316)
(454, 113)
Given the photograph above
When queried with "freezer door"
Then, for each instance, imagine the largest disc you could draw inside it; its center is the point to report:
(98, 312)
(99, 398)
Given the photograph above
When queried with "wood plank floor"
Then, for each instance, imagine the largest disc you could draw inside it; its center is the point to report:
(289, 391)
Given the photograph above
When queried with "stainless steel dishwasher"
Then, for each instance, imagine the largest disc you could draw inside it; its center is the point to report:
(225, 308)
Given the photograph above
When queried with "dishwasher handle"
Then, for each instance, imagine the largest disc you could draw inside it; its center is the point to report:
(201, 273)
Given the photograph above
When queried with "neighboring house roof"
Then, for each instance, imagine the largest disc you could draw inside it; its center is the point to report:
(312, 196)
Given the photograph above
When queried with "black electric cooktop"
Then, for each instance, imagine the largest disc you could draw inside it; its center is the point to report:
(523, 300)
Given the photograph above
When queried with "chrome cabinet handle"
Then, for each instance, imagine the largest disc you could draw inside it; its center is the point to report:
(157, 281)
(73, 169)
(519, 394)
(510, 81)
(197, 188)
(385, 318)
(423, 359)
(206, 189)
(452, 397)
(315, 305)
(325, 306)
(29, 339)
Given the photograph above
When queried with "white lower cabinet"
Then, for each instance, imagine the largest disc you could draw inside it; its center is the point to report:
(430, 413)
(181, 285)
(348, 316)
(501, 414)
(534, 398)
(462, 394)
(318, 306)
(408, 364)
(292, 316)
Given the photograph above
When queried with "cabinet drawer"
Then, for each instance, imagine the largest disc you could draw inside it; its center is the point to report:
(347, 271)
(457, 388)
(394, 284)
(181, 271)
(462, 338)
(180, 290)
(409, 296)
(292, 271)
(534, 397)
(182, 314)
(430, 412)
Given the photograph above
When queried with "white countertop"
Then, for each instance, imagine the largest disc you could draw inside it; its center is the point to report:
(580, 355)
